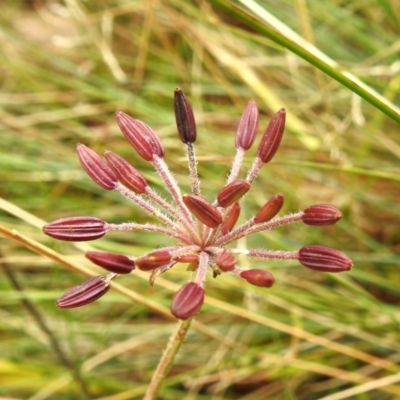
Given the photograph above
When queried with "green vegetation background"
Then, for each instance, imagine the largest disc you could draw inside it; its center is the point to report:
(66, 66)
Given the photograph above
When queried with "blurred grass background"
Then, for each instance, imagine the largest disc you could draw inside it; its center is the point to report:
(66, 66)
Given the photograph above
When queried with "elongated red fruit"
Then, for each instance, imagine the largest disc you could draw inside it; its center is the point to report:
(203, 210)
(321, 214)
(153, 260)
(76, 229)
(84, 293)
(322, 258)
(116, 263)
(225, 260)
(247, 128)
(272, 137)
(184, 117)
(258, 277)
(96, 167)
(187, 301)
(230, 219)
(232, 192)
(142, 138)
(126, 173)
(269, 209)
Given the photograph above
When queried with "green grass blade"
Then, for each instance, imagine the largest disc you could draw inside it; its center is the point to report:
(312, 56)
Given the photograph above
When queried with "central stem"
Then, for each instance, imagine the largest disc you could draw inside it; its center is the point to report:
(167, 359)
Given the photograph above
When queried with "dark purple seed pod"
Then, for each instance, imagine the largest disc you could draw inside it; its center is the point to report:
(76, 229)
(140, 136)
(84, 293)
(96, 168)
(187, 301)
(272, 137)
(117, 263)
(269, 209)
(225, 260)
(203, 210)
(321, 214)
(325, 259)
(232, 192)
(125, 173)
(258, 277)
(153, 260)
(230, 219)
(246, 131)
(184, 117)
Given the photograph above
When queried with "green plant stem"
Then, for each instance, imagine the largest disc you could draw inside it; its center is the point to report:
(346, 79)
(167, 359)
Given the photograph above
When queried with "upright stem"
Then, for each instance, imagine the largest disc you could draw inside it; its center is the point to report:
(194, 177)
(237, 163)
(167, 359)
(254, 170)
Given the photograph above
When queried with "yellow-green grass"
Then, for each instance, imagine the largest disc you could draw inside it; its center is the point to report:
(66, 66)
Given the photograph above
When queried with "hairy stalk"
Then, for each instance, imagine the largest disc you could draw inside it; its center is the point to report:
(163, 171)
(130, 226)
(146, 206)
(193, 169)
(167, 359)
(248, 227)
(162, 203)
(237, 163)
(254, 170)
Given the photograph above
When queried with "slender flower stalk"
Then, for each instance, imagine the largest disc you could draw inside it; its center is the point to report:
(200, 227)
